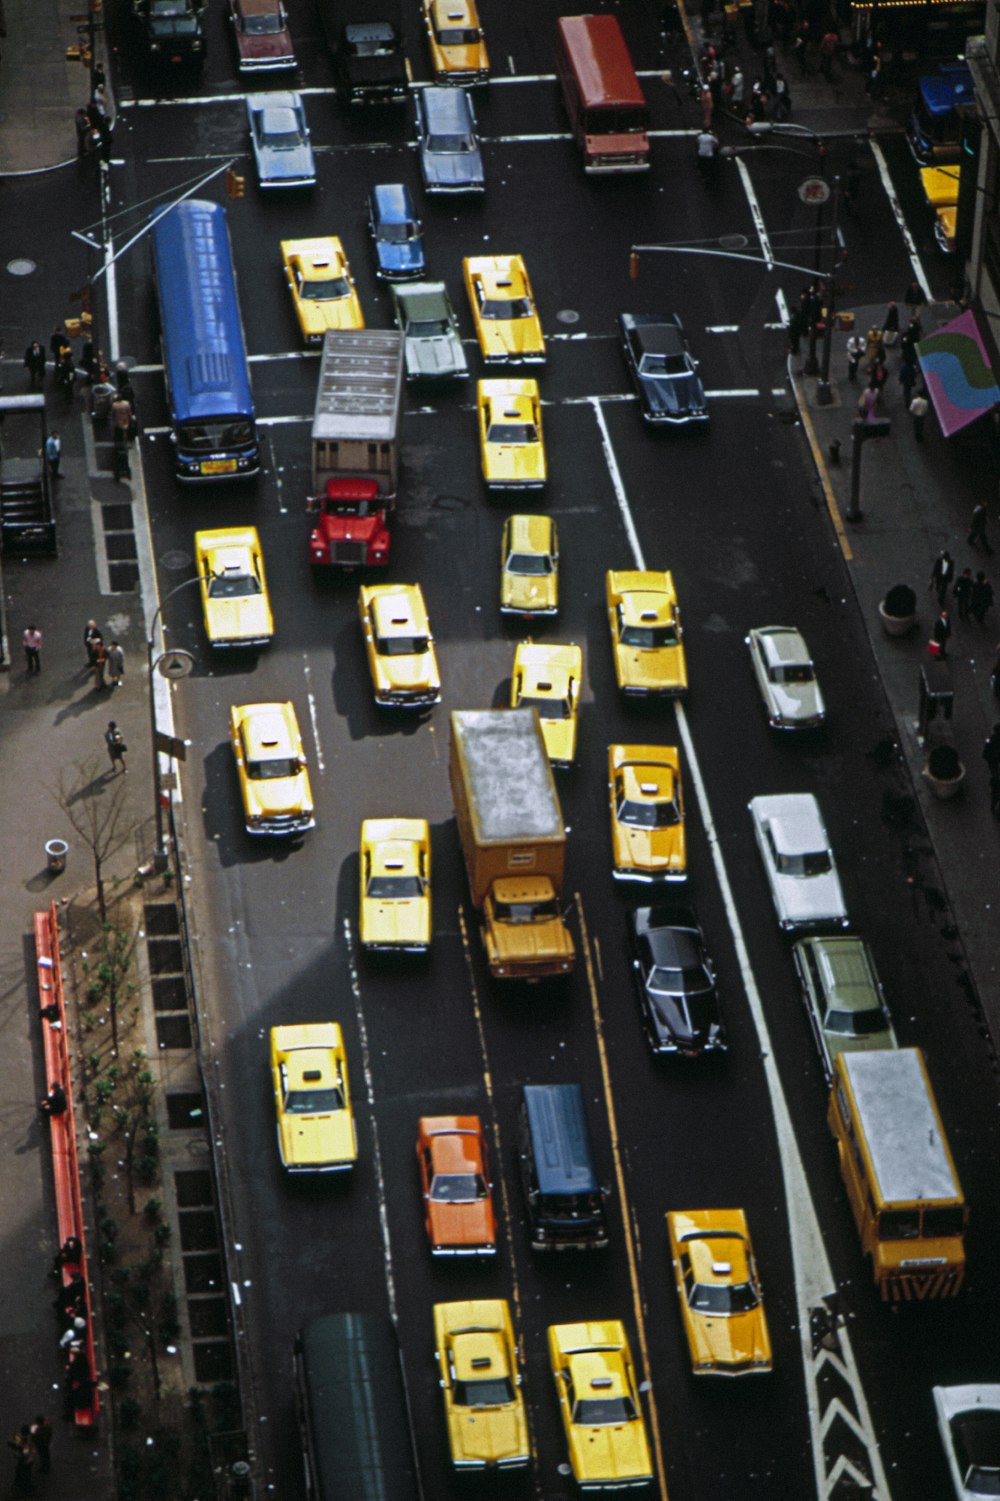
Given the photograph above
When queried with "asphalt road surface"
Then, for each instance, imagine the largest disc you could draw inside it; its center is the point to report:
(731, 511)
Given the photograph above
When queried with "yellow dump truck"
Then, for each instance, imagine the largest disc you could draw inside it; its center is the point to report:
(513, 838)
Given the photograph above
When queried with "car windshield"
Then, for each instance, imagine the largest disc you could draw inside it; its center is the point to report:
(511, 307)
(493, 1391)
(722, 1300)
(371, 47)
(798, 673)
(395, 888)
(899, 1224)
(458, 1188)
(548, 708)
(601, 1412)
(538, 564)
(263, 25)
(326, 290)
(524, 912)
(402, 646)
(662, 814)
(428, 328)
(458, 36)
(273, 768)
(943, 1222)
(512, 432)
(855, 1023)
(281, 138)
(677, 981)
(397, 234)
(818, 863)
(196, 437)
(449, 145)
(649, 637)
(233, 586)
(662, 364)
(313, 1101)
(360, 508)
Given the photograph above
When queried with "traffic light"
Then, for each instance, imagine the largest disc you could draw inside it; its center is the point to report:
(633, 265)
(234, 183)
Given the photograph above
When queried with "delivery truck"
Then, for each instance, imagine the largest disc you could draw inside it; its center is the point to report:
(512, 834)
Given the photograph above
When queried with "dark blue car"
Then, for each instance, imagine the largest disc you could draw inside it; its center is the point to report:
(399, 244)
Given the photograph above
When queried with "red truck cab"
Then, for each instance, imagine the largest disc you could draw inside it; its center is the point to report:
(351, 529)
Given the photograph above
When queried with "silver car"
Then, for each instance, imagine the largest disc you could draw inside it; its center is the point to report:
(798, 861)
(450, 159)
(843, 997)
(279, 137)
(786, 678)
(969, 1420)
(431, 342)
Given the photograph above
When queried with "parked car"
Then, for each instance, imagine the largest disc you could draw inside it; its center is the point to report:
(234, 597)
(798, 861)
(547, 678)
(646, 801)
(172, 32)
(477, 1365)
(843, 996)
(511, 446)
(675, 981)
(455, 1182)
(450, 158)
(279, 139)
(432, 345)
(786, 678)
(646, 634)
(503, 309)
(969, 1420)
(322, 287)
(662, 370)
(271, 767)
(722, 1305)
(263, 41)
(312, 1098)
(529, 566)
(396, 233)
(399, 646)
(395, 870)
(599, 1405)
(455, 37)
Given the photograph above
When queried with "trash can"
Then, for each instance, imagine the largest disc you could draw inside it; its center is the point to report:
(55, 853)
(845, 322)
(100, 401)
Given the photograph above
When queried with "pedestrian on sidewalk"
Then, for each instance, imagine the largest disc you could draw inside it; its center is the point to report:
(92, 638)
(707, 107)
(34, 363)
(907, 379)
(919, 407)
(100, 662)
(117, 749)
(71, 1295)
(24, 1459)
(991, 755)
(738, 87)
(890, 328)
(41, 1436)
(782, 98)
(828, 45)
(796, 328)
(942, 574)
(880, 374)
(940, 633)
(115, 664)
(915, 297)
(55, 1102)
(855, 349)
(58, 344)
(868, 404)
(33, 649)
(982, 598)
(800, 44)
(977, 528)
(53, 452)
(874, 347)
(962, 592)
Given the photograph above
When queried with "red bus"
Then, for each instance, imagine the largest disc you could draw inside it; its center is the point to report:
(606, 106)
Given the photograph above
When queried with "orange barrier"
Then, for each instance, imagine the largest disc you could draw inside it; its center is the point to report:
(65, 1162)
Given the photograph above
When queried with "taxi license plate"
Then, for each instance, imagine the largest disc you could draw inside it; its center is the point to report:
(218, 466)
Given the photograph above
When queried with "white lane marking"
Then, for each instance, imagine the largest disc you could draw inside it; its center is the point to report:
(755, 209)
(897, 210)
(110, 270)
(313, 718)
(320, 92)
(814, 1279)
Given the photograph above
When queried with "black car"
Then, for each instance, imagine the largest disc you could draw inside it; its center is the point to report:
(173, 32)
(675, 981)
(662, 369)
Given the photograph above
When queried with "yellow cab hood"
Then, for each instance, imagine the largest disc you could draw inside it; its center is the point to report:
(397, 922)
(656, 667)
(318, 1140)
(239, 619)
(488, 1434)
(515, 463)
(511, 338)
(277, 795)
(614, 1452)
(529, 593)
(560, 738)
(650, 849)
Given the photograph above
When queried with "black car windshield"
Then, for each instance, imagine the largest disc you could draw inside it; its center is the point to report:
(233, 586)
(855, 1023)
(512, 432)
(397, 234)
(649, 636)
(458, 36)
(816, 864)
(705, 1298)
(685, 981)
(511, 307)
(899, 1224)
(663, 364)
(165, 9)
(538, 564)
(281, 137)
(395, 888)
(402, 646)
(600, 1412)
(263, 25)
(313, 1101)
(523, 912)
(430, 328)
(449, 145)
(494, 1391)
(207, 437)
(326, 290)
(273, 768)
(798, 673)
(458, 1188)
(548, 708)
(658, 815)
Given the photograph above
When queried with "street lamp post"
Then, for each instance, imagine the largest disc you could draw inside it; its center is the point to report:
(171, 664)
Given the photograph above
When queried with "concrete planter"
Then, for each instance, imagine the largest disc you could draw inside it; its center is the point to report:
(898, 611)
(944, 772)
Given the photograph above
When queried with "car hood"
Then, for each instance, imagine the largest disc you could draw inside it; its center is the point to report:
(286, 166)
(239, 619)
(659, 667)
(511, 340)
(336, 312)
(653, 850)
(541, 941)
(516, 463)
(809, 899)
(350, 528)
(528, 592)
(679, 394)
(796, 700)
(408, 256)
(488, 1434)
(436, 356)
(415, 674)
(398, 922)
(560, 739)
(737, 1341)
(271, 48)
(279, 795)
(316, 1140)
(461, 1224)
(690, 1021)
(618, 1452)
(455, 169)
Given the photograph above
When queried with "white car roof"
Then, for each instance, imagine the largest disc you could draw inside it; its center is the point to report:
(783, 645)
(796, 824)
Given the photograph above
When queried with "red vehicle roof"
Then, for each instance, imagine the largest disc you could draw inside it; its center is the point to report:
(601, 60)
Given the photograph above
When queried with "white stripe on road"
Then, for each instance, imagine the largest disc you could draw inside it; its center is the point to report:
(894, 204)
(755, 209)
(616, 482)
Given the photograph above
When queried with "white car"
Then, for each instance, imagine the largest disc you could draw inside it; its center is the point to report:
(798, 861)
(969, 1419)
(786, 678)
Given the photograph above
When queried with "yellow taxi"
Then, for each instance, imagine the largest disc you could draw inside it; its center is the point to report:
(503, 309)
(400, 648)
(481, 1385)
(510, 434)
(599, 1402)
(312, 1098)
(529, 566)
(647, 813)
(234, 598)
(271, 766)
(396, 885)
(455, 37)
(722, 1306)
(646, 634)
(547, 678)
(322, 287)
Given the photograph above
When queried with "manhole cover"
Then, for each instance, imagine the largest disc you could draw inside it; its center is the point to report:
(175, 561)
(449, 503)
(568, 315)
(21, 266)
(734, 242)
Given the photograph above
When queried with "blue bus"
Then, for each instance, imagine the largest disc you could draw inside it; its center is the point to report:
(945, 100)
(213, 431)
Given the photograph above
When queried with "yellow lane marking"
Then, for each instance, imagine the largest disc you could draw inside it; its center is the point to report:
(821, 469)
(631, 1234)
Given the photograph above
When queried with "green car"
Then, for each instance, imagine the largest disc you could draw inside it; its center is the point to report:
(843, 997)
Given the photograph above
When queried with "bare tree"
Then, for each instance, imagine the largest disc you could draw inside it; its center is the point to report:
(95, 806)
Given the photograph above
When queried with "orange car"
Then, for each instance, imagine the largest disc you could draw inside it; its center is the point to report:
(455, 1179)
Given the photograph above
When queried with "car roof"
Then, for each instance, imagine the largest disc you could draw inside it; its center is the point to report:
(446, 109)
(235, 559)
(530, 533)
(393, 202)
(400, 612)
(320, 1062)
(639, 607)
(845, 969)
(455, 1151)
(258, 7)
(424, 299)
(795, 820)
(453, 10)
(268, 734)
(506, 280)
(279, 118)
(647, 781)
(536, 657)
(674, 948)
(558, 1124)
(659, 338)
(718, 1257)
(783, 645)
